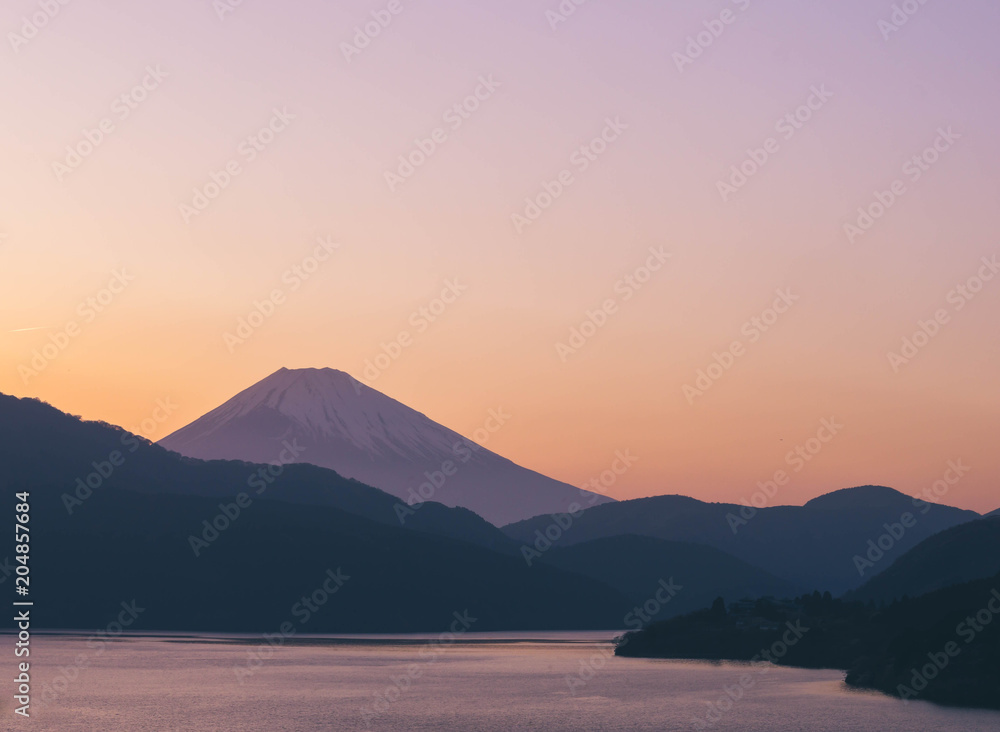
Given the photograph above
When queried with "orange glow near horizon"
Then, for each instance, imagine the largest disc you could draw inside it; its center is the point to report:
(152, 289)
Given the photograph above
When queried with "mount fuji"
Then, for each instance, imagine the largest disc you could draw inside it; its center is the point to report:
(336, 422)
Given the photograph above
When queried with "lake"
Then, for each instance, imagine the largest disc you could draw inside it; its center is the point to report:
(483, 681)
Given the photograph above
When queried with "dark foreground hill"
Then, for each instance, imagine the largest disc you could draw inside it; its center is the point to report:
(192, 562)
(942, 647)
(818, 545)
(273, 560)
(960, 554)
(41, 445)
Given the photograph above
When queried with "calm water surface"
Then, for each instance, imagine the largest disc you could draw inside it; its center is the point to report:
(486, 681)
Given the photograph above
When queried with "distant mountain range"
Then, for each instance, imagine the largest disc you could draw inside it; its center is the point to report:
(164, 530)
(815, 546)
(230, 545)
(349, 427)
(963, 553)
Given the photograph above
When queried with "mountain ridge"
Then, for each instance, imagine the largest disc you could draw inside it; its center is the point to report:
(116, 517)
(363, 434)
(964, 553)
(40, 443)
(812, 546)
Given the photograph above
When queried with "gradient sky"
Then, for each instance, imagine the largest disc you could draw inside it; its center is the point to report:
(654, 186)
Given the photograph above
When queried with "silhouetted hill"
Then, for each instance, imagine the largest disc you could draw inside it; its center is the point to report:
(848, 499)
(131, 539)
(812, 546)
(931, 648)
(960, 554)
(38, 443)
(130, 545)
(636, 565)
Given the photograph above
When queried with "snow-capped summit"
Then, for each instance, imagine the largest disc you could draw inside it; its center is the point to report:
(326, 403)
(363, 434)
